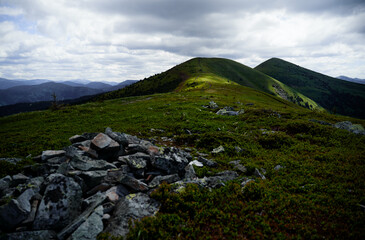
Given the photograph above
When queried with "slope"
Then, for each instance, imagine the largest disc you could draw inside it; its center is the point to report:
(317, 194)
(175, 79)
(335, 95)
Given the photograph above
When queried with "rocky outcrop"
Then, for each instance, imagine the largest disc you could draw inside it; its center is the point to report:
(101, 182)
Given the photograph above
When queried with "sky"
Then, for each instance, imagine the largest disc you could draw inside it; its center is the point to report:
(116, 40)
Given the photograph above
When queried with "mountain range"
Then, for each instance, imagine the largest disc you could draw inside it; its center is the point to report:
(355, 80)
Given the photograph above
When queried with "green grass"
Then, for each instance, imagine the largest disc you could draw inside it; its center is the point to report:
(335, 95)
(315, 196)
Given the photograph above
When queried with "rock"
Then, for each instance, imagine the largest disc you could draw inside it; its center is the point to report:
(102, 187)
(70, 228)
(136, 162)
(259, 175)
(84, 163)
(321, 122)
(159, 179)
(246, 181)
(32, 235)
(36, 199)
(132, 207)
(4, 184)
(207, 162)
(196, 163)
(18, 179)
(101, 141)
(52, 153)
(213, 105)
(224, 112)
(60, 204)
(77, 138)
(24, 200)
(93, 178)
(91, 227)
(348, 126)
(115, 193)
(217, 150)
(241, 111)
(116, 136)
(11, 160)
(89, 136)
(278, 167)
(173, 161)
(116, 175)
(189, 173)
(134, 184)
(238, 166)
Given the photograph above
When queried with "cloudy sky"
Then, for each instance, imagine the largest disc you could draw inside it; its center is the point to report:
(115, 40)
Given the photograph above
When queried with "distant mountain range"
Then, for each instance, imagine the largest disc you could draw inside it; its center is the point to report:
(29, 91)
(355, 80)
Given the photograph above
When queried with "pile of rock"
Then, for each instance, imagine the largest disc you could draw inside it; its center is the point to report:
(345, 125)
(97, 184)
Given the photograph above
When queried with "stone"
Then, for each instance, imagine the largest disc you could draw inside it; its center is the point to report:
(102, 187)
(196, 163)
(131, 208)
(77, 139)
(18, 179)
(85, 163)
(136, 162)
(89, 136)
(93, 178)
(189, 173)
(213, 105)
(11, 160)
(258, 174)
(92, 226)
(34, 206)
(60, 204)
(4, 184)
(237, 166)
(32, 235)
(321, 122)
(348, 126)
(116, 136)
(115, 193)
(134, 184)
(217, 150)
(101, 141)
(116, 175)
(246, 181)
(224, 112)
(207, 162)
(278, 167)
(52, 153)
(159, 179)
(173, 161)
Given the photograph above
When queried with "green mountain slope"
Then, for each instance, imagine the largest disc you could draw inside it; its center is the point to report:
(336, 95)
(317, 194)
(196, 69)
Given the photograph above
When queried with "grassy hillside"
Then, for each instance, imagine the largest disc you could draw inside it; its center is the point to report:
(219, 68)
(336, 95)
(317, 195)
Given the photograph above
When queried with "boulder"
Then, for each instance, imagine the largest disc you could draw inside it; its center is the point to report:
(130, 208)
(159, 179)
(52, 153)
(246, 181)
(115, 193)
(189, 173)
(11, 160)
(32, 235)
(4, 184)
(101, 141)
(207, 162)
(134, 184)
(60, 204)
(93, 178)
(92, 226)
(116, 136)
(85, 163)
(278, 167)
(237, 166)
(173, 161)
(196, 163)
(348, 126)
(18, 179)
(217, 150)
(258, 174)
(77, 138)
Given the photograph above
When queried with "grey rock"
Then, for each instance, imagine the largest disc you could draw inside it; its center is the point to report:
(116, 136)
(217, 150)
(77, 138)
(93, 178)
(134, 184)
(89, 136)
(225, 112)
(11, 160)
(213, 105)
(348, 126)
(102, 187)
(196, 163)
(116, 175)
(52, 153)
(70, 228)
(18, 179)
(115, 193)
(278, 167)
(258, 174)
(159, 179)
(132, 207)
(237, 166)
(32, 235)
(4, 184)
(24, 200)
(136, 162)
(207, 162)
(84, 163)
(189, 173)
(321, 122)
(246, 181)
(60, 204)
(89, 229)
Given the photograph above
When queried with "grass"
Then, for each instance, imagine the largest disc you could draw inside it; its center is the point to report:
(316, 195)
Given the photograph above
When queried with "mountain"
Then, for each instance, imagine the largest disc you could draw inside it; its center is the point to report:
(122, 85)
(355, 80)
(194, 71)
(267, 169)
(335, 95)
(6, 83)
(43, 92)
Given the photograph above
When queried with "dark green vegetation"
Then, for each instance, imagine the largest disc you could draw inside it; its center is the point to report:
(317, 195)
(196, 69)
(335, 95)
